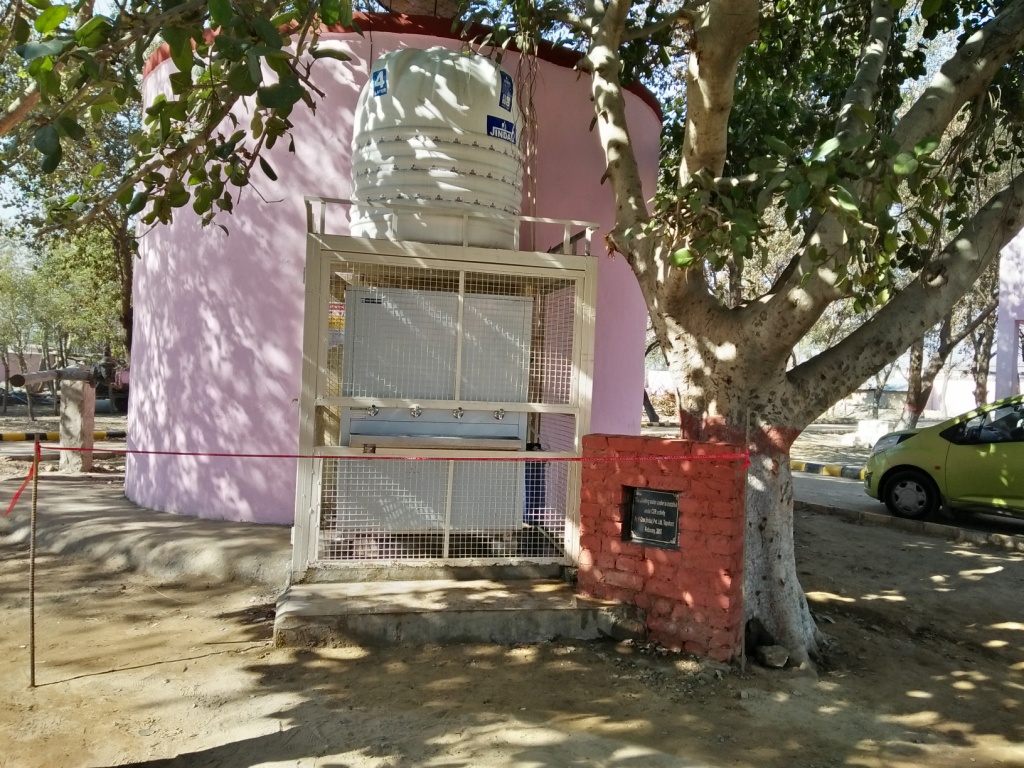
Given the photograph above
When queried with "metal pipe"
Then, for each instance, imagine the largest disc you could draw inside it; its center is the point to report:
(72, 374)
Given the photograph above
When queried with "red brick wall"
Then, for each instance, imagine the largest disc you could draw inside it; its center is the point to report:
(691, 597)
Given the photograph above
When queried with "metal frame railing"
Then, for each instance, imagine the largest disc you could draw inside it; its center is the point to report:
(573, 232)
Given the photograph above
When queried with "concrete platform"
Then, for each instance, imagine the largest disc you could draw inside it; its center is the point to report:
(430, 612)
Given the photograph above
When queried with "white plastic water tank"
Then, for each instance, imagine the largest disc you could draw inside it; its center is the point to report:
(438, 130)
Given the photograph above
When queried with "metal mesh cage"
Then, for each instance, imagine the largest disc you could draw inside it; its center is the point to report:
(444, 334)
(380, 509)
(484, 352)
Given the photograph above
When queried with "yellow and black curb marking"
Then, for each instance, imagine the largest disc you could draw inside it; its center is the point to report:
(53, 437)
(832, 470)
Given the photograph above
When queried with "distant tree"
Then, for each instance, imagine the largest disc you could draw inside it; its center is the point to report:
(974, 311)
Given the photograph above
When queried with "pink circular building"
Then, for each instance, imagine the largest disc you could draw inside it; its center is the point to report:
(217, 347)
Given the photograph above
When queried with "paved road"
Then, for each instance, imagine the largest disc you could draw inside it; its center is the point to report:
(849, 494)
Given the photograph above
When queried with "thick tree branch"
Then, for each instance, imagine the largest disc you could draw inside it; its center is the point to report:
(19, 109)
(687, 13)
(722, 32)
(612, 128)
(964, 76)
(569, 19)
(835, 372)
(863, 90)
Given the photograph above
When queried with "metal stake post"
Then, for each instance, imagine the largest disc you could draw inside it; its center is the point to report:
(32, 570)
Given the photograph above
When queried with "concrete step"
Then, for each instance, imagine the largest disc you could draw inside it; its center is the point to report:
(443, 611)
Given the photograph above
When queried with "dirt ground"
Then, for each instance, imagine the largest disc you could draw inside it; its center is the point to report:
(926, 669)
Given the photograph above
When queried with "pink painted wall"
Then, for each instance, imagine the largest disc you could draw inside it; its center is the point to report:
(218, 319)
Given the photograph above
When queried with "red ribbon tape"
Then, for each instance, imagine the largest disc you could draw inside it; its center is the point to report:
(24, 485)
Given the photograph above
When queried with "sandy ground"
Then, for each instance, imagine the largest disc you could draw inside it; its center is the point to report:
(926, 669)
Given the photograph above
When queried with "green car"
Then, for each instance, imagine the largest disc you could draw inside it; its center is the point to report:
(972, 461)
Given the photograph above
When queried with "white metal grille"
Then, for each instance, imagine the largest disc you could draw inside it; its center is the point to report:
(454, 366)
(388, 510)
(428, 335)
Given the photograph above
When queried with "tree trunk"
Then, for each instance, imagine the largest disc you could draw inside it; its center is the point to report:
(126, 256)
(28, 395)
(772, 591)
(982, 362)
(743, 403)
(913, 405)
(7, 375)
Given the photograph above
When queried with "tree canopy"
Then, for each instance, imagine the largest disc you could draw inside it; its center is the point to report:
(80, 66)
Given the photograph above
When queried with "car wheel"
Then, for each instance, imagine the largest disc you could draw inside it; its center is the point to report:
(910, 493)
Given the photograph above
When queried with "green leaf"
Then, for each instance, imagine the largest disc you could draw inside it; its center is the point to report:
(764, 165)
(817, 176)
(94, 32)
(137, 203)
(51, 18)
(904, 164)
(328, 53)
(797, 197)
(926, 147)
(97, 170)
(842, 198)
(254, 66)
(203, 201)
(920, 233)
(21, 31)
(42, 5)
(221, 12)
(825, 149)
(683, 257)
(929, 217)
(69, 127)
(331, 11)
(51, 161)
(177, 195)
(240, 80)
(267, 32)
(778, 145)
(930, 7)
(268, 170)
(744, 223)
(33, 51)
(47, 140)
(280, 95)
(180, 43)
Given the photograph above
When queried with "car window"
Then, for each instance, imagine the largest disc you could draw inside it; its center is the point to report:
(1000, 425)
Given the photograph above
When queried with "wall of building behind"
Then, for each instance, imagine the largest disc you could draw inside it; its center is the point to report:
(218, 319)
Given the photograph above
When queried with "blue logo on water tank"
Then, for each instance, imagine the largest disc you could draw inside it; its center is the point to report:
(505, 100)
(501, 129)
(380, 82)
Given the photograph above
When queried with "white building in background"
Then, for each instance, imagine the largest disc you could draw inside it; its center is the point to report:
(1010, 325)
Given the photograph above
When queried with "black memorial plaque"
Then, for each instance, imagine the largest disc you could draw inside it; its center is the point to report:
(654, 518)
